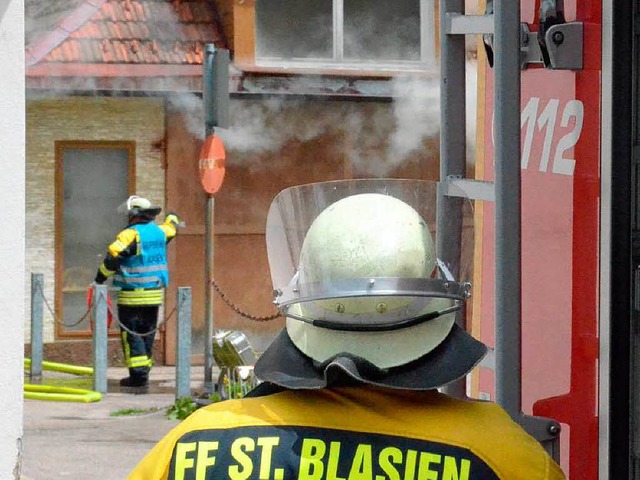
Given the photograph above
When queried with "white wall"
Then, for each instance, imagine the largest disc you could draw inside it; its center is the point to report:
(12, 236)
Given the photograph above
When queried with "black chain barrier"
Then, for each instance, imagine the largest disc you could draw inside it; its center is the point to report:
(110, 309)
(150, 332)
(238, 310)
(153, 331)
(55, 317)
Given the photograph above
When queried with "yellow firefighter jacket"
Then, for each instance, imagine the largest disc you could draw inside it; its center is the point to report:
(350, 433)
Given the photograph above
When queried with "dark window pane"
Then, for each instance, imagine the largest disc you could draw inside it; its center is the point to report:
(95, 183)
(382, 30)
(294, 29)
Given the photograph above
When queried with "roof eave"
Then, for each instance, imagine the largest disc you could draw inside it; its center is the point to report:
(188, 78)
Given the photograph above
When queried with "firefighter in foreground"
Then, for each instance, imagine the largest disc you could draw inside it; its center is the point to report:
(138, 261)
(349, 387)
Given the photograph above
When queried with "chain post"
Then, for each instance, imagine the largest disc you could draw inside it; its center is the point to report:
(100, 307)
(37, 344)
(183, 341)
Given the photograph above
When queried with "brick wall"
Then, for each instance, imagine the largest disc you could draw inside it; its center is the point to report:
(139, 120)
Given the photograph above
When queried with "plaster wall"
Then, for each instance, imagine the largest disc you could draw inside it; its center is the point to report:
(12, 196)
(141, 120)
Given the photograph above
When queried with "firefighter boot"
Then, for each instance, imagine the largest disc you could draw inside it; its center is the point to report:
(135, 384)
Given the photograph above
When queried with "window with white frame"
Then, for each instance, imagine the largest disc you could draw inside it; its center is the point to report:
(369, 34)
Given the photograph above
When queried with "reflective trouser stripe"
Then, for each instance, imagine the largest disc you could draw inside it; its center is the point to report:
(125, 346)
(137, 361)
(140, 361)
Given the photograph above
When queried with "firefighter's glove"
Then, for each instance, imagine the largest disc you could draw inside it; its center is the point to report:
(174, 219)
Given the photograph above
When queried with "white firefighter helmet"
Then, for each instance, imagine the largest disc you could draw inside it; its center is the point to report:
(368, 236)
(135, 205)
(365, 298)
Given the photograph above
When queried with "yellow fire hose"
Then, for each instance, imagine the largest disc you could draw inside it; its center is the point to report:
(61, 394)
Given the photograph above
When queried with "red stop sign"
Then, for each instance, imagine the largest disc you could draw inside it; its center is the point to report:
(211, 164)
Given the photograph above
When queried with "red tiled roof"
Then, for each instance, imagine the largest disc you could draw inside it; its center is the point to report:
(131, 32)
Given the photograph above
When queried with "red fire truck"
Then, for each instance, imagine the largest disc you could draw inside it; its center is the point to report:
(557, 250)
(556, 257)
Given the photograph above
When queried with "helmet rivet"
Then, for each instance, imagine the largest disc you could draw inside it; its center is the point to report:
(558, 38)
(381, 307)
(339, 308)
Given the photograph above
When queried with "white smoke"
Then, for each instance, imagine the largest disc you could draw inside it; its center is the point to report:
(256, 126)
(416, 111)
(191, 107)
(377, 136)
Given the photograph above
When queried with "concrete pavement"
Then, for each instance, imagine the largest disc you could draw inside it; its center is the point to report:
(70, 440)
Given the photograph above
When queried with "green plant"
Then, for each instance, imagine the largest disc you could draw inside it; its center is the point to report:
(180, 410)
(233, 387)
(133, 411)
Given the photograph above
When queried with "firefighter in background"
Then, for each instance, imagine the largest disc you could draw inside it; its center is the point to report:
(349, 387)
(137, 260)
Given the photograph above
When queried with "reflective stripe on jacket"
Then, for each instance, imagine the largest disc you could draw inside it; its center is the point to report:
(141, 297)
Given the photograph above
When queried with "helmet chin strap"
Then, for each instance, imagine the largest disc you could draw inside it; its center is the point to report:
(374, 327)
(335, 375)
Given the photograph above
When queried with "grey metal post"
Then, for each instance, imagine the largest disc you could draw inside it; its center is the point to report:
(100, 338)
(37, 345)
(207, 94)
(183, 341)
(215, 93)
(209, 304)
(508, 344)
(452, 152)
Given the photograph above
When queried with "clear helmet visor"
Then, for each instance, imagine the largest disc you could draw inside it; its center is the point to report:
(360, 255)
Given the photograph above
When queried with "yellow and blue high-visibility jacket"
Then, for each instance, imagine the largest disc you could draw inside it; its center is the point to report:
(138, 260)
(148, 268)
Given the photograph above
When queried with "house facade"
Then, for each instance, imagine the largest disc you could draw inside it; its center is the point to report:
(319, 91)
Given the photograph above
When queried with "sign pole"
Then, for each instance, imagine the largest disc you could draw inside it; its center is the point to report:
(209, 305)
(215, 93)
(212, 170)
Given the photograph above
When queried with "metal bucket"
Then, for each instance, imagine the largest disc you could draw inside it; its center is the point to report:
(235, 357)
(232, 349)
